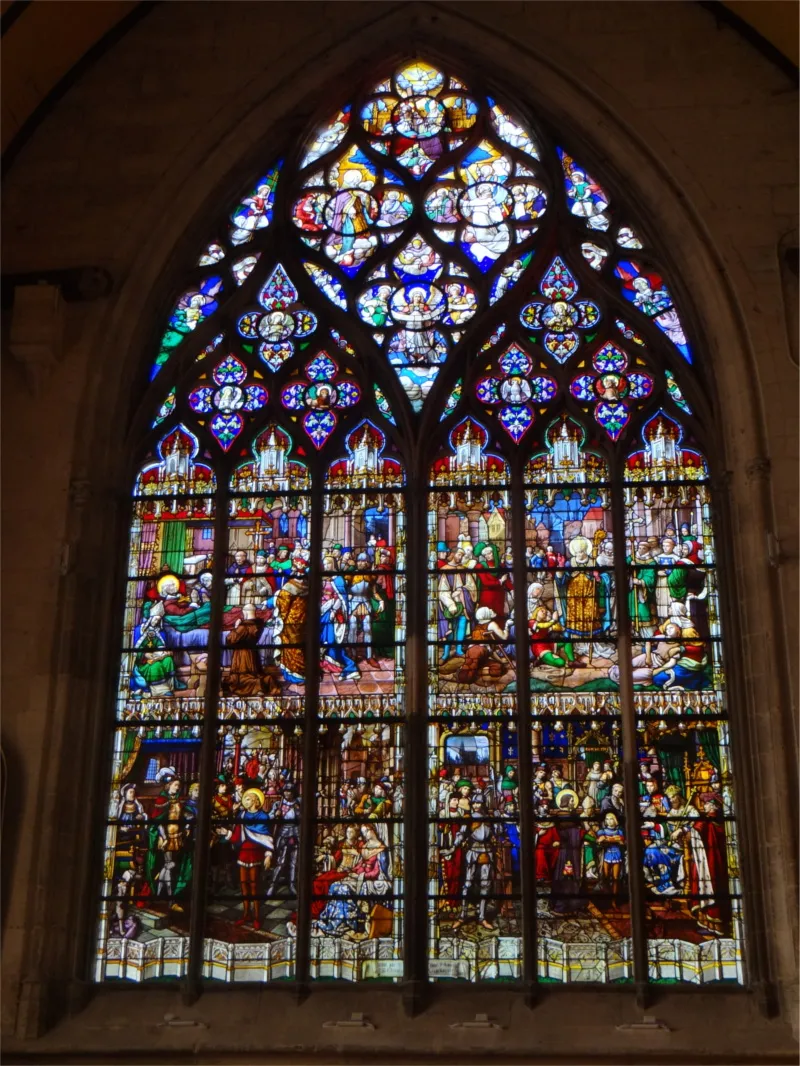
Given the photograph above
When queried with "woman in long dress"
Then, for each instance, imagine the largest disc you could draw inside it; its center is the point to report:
(369, 877)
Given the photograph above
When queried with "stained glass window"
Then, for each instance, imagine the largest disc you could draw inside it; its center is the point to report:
(421, 668)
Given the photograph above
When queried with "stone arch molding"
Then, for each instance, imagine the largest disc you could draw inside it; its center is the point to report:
(101, 450)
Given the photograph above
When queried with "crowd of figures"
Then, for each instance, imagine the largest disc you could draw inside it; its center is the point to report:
(254, 839)
(358, 857)
(264, 622)
(579, 841)
(154, 843)
(267, 632)
(570, 613)
(354, 874)
(478, 845)
(475, 626)
(580, 832)
(673, 612)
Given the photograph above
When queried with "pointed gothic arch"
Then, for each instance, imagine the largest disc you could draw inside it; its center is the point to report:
(313, 319)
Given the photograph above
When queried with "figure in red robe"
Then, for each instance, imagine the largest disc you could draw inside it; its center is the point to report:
(711, 827)
(493, 582)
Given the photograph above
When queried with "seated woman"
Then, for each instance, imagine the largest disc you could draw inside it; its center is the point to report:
(335, 858)
(368, 878)
(154, 673)
(686, 668)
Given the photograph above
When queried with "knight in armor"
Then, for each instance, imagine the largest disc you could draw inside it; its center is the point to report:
(477, 839)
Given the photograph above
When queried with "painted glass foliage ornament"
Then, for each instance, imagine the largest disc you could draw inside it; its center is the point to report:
(587, 199)
(453, 400)
(320, 396)
(282, 322)
(516, 390)
(225, 400)
(563, 319)
(166, 408)
(383, 405)
(647, 292)
(416, 208)
(610, 387)
(675, 394)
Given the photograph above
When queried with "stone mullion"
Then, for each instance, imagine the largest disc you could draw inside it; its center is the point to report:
(530, 968)
(416, 716)
(630, 763)
(308, 813)
(191, 985)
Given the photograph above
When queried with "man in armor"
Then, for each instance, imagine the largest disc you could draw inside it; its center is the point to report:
(477, 838)
(284, 866)
(364, 598)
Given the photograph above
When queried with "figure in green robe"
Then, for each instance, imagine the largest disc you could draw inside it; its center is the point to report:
(642, 594)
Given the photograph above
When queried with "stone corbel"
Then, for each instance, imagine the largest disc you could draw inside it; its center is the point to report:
(758, 469)
(37, 331)
(36, 337)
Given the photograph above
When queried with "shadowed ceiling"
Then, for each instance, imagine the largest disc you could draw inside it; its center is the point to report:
(44, 40)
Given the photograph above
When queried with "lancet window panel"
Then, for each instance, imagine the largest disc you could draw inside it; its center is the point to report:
(421, 647)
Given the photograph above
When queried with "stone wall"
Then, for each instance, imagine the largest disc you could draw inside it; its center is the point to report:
(122, 174)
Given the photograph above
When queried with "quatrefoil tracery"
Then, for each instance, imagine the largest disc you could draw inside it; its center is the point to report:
(515, 389)
(563, 317)
(231, 395)
(281, 323)
(610, 387)
(320, 396)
